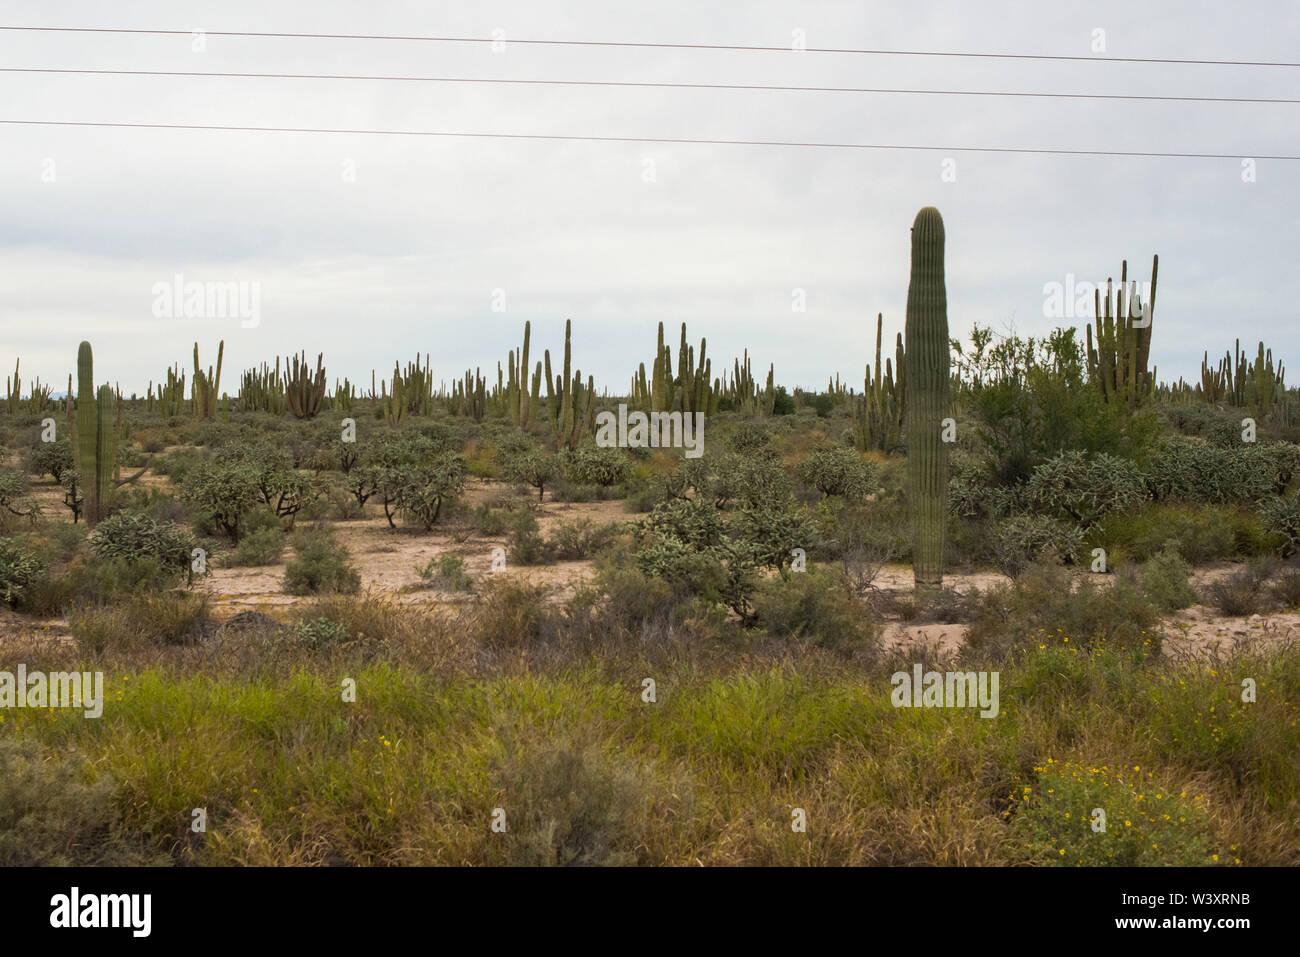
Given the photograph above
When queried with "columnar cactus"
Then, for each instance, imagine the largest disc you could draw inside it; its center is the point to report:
(206, 385)
(95, 445)
(570, 404)
(1118, 362)
(927, 359)
(878, 412)
(304, 391)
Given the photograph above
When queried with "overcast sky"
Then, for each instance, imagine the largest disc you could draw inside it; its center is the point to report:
(374, 248)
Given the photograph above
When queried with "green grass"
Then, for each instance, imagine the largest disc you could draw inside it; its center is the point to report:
(586, 771)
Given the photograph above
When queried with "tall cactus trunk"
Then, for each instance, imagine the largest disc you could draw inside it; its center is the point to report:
(927, 358)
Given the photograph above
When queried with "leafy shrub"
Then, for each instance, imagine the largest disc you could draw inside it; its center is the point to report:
(137, 535)
(14, 495)
(526, 545)
(812, 606)
(221, 492)
(1237, 594)
(839, 470)
(1083, 488)
(317, 633)
(1188, 470)
(446, 571)
(1023, 540)
(167, 618)
(1044, 603)
(512, 614)
(320, 565)
(533, 467)
(1165, 579)
(488, 521)
(422, 491)
(20, 568)
(258, 548)
(52, 458)
(1200, 533)
(594, 465)
(572, 541)
(1281, 517)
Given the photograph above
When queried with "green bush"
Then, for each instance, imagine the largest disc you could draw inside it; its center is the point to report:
(220, 493)
(446, 571)
(839, 470)
(258, 548)
(1083, 488)
(1165, 579)
(1281, 517)
(533, 467)
(527, 547)
(141, 619)
(1200, 533)
(137, 535)
(581, 538)
(20, 568)
(593, 465)
(1022, 540)
(1046, 606)
(52, 458)
(422, 491)
(320, 565)
(812, 606)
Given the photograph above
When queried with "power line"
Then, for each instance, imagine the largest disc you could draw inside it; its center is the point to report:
(645, 139)
(655, 46)
(652, 85)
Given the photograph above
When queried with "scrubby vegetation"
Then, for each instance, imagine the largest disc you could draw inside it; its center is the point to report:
(356, 626)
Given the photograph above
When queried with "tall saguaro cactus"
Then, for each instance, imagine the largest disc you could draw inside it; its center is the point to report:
(95, 448)
(927, 358)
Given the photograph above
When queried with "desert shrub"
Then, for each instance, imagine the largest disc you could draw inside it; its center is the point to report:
(533, 467)
(633, 598)
(772, 533)
(144, 618)
(446, 571)
(690, 521)
(317, 633)
(578, 806)
(581, 538)
(1238, 593)
(487, 520)
(320, 564)
(1281, 517)
(973, 491)
(260, 547)
(1084, 488)
(863, 539)
(526, 545)
(137, 535)
(1045, 604)
(1166, 581)
(56, 812)
(1200, 533)
(51, 458)
(423, 490)
(594, 465)
(1188, 470)
(14, 496)
(812, 606)
(1286, 588)
(1022, 540)
(724, 573)
(20, 567)
(220, 492)
(839, 470)
(1147, 823)
(751, 440)
(512, 614)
